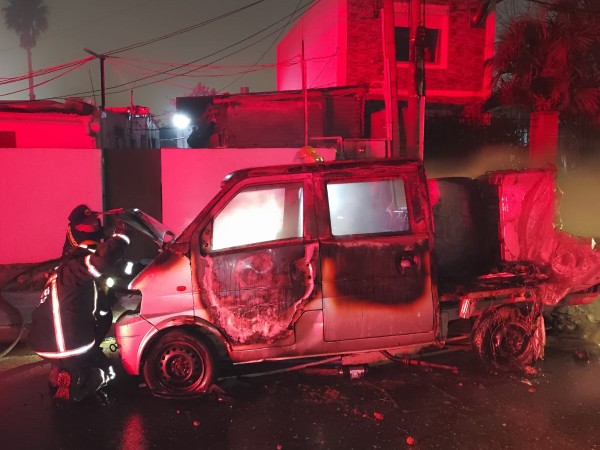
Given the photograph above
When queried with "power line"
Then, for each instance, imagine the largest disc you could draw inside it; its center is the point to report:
(268, 48)
(80, 62)
(71, 69)
(182, 30)
(223, 49)
(129, 47)
(209, 71)
(187, 64)
(45, 71)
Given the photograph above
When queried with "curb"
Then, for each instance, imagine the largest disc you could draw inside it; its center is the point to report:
(22, 368)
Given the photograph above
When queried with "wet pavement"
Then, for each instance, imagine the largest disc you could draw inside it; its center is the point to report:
(393, 407)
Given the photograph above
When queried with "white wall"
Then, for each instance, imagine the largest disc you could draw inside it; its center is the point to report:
(48, 130)
(190, 178)
(38, 190)
(323, 30)
(40, 187)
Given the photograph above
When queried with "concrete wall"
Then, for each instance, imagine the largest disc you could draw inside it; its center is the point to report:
(38, 190)
(49, 130)
(190, 178)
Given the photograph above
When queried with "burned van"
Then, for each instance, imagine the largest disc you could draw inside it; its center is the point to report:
(309, 261)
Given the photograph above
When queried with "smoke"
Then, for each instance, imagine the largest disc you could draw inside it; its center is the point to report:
(578, 185)
(496, 157)
(580, 201)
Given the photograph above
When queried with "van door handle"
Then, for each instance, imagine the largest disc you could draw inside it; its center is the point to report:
(407, 263)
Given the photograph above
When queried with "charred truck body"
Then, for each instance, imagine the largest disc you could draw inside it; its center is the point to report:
(355, 260)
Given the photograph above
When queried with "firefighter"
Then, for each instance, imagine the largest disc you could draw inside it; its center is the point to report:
(84, 224)
(66, 328)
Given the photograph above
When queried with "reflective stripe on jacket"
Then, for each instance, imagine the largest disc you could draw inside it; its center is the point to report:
(63, 324)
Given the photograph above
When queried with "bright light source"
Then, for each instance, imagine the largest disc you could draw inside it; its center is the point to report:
(181, 121)
(110, 282)
(129, 268)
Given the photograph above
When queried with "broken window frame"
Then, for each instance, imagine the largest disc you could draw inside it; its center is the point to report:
(435, 17)
(394, 211)
(298, 234)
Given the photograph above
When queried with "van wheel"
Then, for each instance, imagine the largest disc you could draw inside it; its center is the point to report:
(180, 365)
(506, 339)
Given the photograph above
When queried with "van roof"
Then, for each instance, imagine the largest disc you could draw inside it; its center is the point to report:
(238, 175)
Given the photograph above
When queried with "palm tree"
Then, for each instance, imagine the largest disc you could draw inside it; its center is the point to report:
(549, 63)
(27, 18)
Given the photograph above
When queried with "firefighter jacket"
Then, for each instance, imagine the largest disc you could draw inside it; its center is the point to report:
(63, 324)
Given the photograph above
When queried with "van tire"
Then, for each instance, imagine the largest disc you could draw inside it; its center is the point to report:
(507, 339)
(180, 364)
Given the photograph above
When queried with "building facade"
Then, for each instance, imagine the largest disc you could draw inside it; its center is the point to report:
(75, 123)
(341, 43)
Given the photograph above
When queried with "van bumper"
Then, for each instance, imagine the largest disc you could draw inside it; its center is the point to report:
(130, 331)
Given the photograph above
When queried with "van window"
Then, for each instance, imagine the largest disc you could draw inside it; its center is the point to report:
(259, 214)
(367, 207)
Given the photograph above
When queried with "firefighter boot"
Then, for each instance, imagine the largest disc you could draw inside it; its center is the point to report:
(53, 379)
(63, 386)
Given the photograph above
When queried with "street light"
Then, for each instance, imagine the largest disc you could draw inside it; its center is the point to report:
(101, 57)
(181, 121)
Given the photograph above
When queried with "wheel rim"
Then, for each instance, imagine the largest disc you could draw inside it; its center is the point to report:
(509, 342)
(181, 367)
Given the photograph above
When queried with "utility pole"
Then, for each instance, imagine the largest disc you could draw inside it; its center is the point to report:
(391, 80)
(415, 119)
(305, 96)
(30, 68)
(101, 57)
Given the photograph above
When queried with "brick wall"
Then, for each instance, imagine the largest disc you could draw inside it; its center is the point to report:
(464, 70)
(278, 120)
(365, 62)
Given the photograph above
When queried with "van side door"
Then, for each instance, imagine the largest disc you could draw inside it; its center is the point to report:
(375, 255)
(259, 260)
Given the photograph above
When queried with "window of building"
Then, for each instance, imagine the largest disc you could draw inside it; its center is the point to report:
(435, 21)
(260, 214)
(367, 207)
(432, 45)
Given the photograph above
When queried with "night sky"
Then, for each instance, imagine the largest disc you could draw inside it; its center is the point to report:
(107, 25)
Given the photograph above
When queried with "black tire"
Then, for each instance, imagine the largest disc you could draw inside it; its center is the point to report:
(505, 339)
(180, 365)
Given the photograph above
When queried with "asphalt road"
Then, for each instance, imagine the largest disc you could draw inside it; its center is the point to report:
(392, 407)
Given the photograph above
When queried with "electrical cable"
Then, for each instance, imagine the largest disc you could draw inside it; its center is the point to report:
(191, 62)
(111, 90)
(235, 70)
(182, 31)
(217, 52)
(46, 71)
(122, 49)
(268, 48)
(14, 309)
(43, 82)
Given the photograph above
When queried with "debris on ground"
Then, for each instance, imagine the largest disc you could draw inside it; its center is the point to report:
(581, 355)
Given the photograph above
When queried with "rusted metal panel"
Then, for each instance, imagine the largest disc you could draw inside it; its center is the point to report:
(376, 287)
(255, 295)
